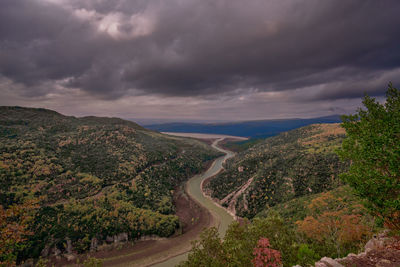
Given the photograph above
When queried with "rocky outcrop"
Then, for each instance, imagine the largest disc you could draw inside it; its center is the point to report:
(69, 246)
(94, 244)
(121, 237)
(328, 262)
(232, 198)
(380, 251)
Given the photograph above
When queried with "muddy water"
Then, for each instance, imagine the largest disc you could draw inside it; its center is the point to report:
(193, 187)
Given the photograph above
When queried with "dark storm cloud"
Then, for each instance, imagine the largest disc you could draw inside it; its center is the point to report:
(200, 47)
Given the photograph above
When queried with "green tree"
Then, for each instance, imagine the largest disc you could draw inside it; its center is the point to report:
(208, 251)
(240, 241)
(373, 146)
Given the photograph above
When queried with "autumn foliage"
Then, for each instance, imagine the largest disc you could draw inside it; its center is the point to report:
(264, 256)
(14, 231)
(338, 225)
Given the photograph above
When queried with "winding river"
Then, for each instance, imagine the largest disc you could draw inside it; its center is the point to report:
(194, 189)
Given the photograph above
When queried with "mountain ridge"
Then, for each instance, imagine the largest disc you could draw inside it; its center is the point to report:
(253, 128)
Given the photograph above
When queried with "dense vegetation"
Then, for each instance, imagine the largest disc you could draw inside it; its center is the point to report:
(292, 164)
(373, 146)
(310, 226)
(89, 178)
(302, 230)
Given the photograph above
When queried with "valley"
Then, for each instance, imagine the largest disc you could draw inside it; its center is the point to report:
(107, 192)
(171, 251)
(199, 133)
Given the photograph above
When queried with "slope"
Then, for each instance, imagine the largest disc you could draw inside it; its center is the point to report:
(93, 178)
(293, 164)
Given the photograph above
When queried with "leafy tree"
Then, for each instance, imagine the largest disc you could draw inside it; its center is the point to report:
(373, 146)
(240, 242)
(207, 251)
(307, 256)
(14, 223)
(339, 227)
(266, 256)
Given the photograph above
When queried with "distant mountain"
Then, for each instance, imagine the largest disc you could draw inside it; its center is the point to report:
(253, 129)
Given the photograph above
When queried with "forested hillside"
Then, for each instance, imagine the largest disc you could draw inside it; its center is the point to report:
(88, 178)
(300, 231)
(293, 164)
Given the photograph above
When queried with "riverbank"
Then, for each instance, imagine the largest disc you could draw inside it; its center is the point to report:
(221, 218)
(195, 209)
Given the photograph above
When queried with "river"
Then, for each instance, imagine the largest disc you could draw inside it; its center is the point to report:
(193, 188)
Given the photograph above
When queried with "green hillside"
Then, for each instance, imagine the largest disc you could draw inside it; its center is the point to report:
(91, 177)
(293, 164)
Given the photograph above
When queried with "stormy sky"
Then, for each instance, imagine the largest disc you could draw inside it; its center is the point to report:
(198, 59)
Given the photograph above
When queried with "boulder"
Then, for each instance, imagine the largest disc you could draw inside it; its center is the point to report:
(69, 246)
(328, 262)
(56, 251)
(384, 263)
(70, 257)
(94, 244)
(45, 251)
(121, 237)
(109, 239)
(376, 243)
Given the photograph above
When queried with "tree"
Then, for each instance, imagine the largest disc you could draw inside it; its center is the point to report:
(333, 224)
(208, 251)
(14, 223)
(266, 256)
(264, 242)
(373, 147)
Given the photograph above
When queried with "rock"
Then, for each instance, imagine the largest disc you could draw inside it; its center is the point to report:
(352, 255)
(321, 264)
(384, 233)
(109, 239)
(375, 243)
(56, 251)
(362, 254)
(70, 257)
(122, 237)
(328, 262)
(94, 244)
(69, 246)
(383, 263)
(297, 265)
(46, 251)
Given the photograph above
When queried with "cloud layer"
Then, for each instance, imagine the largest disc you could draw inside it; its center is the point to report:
(307, 52)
